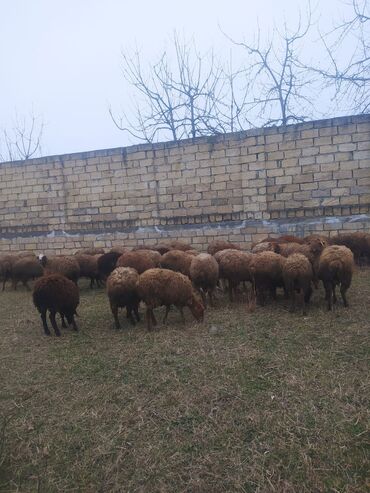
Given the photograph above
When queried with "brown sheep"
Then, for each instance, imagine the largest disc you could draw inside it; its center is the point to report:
(118, 249)
(141, 260)
(57, 294)
(90, 251)
(312, 250)
(163, 287)
(167, 245)
(217, 245)
(234, 266)
(67, 266)
(177, 260)
(297, 276)
(24, 270)
(107, 264)
(266, 246)
(358, 242)
(122, 292)
(281, 239)
(6, 265)
(267, 270)
(204, 272)
(336, 268)
(89, 267)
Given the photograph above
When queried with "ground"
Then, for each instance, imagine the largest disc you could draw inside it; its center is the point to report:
(267, 401)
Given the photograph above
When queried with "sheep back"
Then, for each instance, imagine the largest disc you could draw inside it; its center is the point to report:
(141, 260)
(217, 245)
(56, 293)
(336, 264)
(204, 271)
(177, 260)
(122, 286)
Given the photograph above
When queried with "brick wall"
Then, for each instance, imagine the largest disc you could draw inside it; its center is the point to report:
(313, 176)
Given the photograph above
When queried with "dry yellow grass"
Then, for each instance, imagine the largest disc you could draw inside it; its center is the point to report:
(267, 401)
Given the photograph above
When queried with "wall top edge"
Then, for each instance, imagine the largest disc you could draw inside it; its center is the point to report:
(212, 139)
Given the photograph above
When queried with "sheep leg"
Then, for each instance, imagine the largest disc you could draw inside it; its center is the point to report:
(136, 312)
(114, 310)
(203, 296)
(168, 307)
(25, 284)
(4, 281)
(343, 290)
(334, 294)
(149, 318)
(54, 323)
(129, 315)
(64, 325)
(154, 320)
(302, 302)
(181, 310)
(44, 323)
(74, 325)
(211, 300)
(14, 285)
(231, 291)
(91, 282)
(328, 294)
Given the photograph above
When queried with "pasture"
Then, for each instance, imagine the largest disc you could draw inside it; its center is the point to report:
(268, 401)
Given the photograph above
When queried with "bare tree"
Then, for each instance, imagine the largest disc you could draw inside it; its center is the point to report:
(191, 97)
(349, 77)
(23, 141)
(278, 88)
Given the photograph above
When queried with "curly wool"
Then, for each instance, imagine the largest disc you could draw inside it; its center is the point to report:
(336, 267)
(24, 270)
(204, 271)
(56, 293)
(177, 260)
(217, 245)
(163, 287)
(140, 260)
(64, 265)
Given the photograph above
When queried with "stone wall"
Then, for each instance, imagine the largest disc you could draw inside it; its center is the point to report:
(313, 176)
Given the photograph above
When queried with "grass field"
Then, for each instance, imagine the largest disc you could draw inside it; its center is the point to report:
(268, 401)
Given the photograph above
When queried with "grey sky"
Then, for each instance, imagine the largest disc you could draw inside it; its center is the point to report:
(62, 58)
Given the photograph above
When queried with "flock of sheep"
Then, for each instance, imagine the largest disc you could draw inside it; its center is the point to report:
(174, 273)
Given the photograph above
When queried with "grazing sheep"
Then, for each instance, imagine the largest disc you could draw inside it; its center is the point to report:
(336, 268)
(177, 260)
(89, 268)
(267, 270)
(163, 287)
(358, 242)
(107, 264)
(297, 276)
(122, 292)
(204, 272)
(141, 260)
(90, 251)
(234, 266)
(67, 266)
(56, 293)
(218, 245)
(24, 270)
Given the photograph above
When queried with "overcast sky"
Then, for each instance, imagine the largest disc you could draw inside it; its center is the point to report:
(61, 59)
